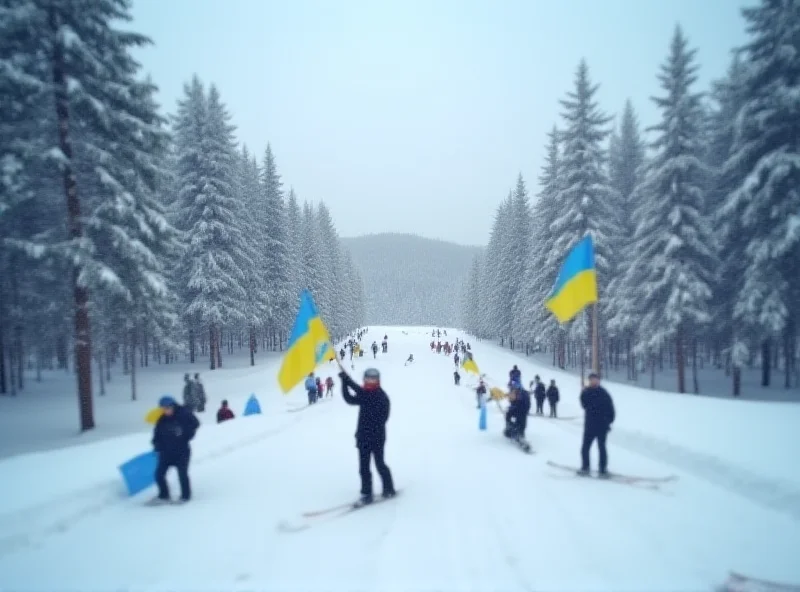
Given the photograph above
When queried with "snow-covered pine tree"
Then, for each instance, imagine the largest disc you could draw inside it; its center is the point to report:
(538, 324)
(276, 251)
(294, 241)
(585, 199)
(491, 283)
(471, 299)
(518, 259)
(626, 158)
(767, 201)
(251, 218)
(724, 328)
(675, 257)
(209, 214)
(311, 254)
(329, 258)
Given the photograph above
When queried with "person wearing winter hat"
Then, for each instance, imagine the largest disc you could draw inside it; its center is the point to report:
(599, 414)
(373, 413)
(171, 436)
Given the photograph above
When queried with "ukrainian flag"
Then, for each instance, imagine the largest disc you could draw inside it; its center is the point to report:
(576, 285)
(309, 344)
(469, 365)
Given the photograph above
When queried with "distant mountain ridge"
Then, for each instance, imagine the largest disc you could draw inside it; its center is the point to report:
(409, 279)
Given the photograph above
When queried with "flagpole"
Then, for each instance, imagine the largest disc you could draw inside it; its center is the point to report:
(595, 341)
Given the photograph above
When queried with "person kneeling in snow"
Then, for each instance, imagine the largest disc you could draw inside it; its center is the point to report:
(224, 413)
(171, 436)
(517, 414)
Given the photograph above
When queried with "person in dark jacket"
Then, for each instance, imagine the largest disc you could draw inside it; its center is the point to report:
(552, 397)
(373, 413)
(224, 413)
(539, 393)
(514, 375)
(599, 415)
(456, 377)
(171, 436)
(480, 392)
(517, 414)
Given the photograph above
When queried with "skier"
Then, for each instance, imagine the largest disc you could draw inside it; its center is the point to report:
(433, 346)
(385, 346)
(374, 409)
(374, 350)
(539, 394)
(480, 392)
(199, 393)
(456, 359)
(552, 397)
(341, 354)
(311, 389)
(171, 436)
(410, 360)
(457, 377)
(329, 386)
(514, 375)
(599, 415)
(517, 414)
(319, 387)
(224, 412)
(189, 399)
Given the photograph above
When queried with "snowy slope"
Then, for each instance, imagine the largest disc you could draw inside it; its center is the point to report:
(475, 513)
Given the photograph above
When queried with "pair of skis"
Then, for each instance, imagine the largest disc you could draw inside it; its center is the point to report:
(633, 480)
(308, 519)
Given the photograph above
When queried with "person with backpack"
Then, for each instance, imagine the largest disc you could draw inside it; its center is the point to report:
(373, 414)
(329, 386)
(539, 394)
(311, 389)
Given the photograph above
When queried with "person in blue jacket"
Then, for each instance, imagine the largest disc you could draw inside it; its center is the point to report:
(311, 389)
(171, 436)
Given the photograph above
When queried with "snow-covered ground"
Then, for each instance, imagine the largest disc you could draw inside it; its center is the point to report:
(475, 513)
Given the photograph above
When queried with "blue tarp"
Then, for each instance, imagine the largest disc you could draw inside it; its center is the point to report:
(139, 472)
(252, 406)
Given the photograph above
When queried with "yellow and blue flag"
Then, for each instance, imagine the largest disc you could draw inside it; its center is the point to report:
(576, 285)
(309, 344)
(469, 365)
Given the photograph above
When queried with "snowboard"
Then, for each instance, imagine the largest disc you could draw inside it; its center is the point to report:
(737, 582)
(308, 519)
(648, 482)
(522, 444)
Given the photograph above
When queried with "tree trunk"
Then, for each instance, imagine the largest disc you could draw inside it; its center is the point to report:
(3, 384)
(212, 356)
(789, 351)
(83, 344)
(679, 361)
(100, 374)
(252, 346)
(737, 380)
(766, 362)
(191, 346)
(695, 384)
(218, 348)
(133, 364)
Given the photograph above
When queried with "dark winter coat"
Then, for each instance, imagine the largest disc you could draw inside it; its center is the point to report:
(515, 375)
(520, 406)
(552, 394)
(224, 414)
(539, 392)
(599, 408)
(373, 411)
(172, 433)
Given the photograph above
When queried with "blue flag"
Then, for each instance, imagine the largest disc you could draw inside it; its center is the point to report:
(252, 406)
(139, 473)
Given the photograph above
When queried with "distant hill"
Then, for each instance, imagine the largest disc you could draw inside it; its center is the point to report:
(411, 280)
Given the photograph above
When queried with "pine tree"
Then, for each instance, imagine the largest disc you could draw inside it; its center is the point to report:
(492, 289)
(276, 248)
(626, 159)
(675, 255)
(311, 253)
(329, 267)
(518, 257)
(585, 198)
(767, 200)
(294, 241)
(209, 213)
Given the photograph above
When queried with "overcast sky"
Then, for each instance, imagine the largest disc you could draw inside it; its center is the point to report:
(412, 115)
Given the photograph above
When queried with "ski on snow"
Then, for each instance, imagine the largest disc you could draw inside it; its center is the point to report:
(740, 583)
(523, 445)
(307, 519)
(645, 482)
